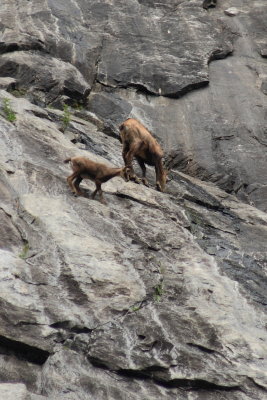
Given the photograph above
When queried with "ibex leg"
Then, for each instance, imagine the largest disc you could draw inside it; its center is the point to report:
(70, 180)
(128, 160)
(143, 168)
(76, 184)
(98, 189)
(159, 175)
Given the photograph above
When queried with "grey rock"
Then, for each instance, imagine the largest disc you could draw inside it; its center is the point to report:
(17, 391)
(43, 85)
(7, 83)
(95, 39)
(146, 291)
(11, 391)
(110, 108)
(232, 11)
(217, 133)
(154, 295)
(264, 86)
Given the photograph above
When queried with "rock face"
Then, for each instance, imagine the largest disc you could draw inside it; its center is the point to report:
(154, 295)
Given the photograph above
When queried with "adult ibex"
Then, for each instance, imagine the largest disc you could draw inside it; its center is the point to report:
(83, 168)
(138, 142)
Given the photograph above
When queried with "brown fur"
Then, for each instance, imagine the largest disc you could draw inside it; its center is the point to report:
(138, 142)
(83, 168)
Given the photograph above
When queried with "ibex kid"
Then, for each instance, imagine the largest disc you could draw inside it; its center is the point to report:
(83, 168)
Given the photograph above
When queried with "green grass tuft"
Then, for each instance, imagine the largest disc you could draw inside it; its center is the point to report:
(66, 117)
(8, 112)
(158, 292)
(25, 251)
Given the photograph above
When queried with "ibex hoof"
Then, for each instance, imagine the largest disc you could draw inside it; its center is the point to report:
(159, 187)
(145, 182)
(135, 179)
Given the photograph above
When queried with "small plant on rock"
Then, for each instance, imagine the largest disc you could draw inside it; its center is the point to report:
(78, 106)
(158, 292)
(66, 117)
(8, 112)
(25, 250)
(18, 92)
(135, 307)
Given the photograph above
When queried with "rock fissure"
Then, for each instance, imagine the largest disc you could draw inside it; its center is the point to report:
(23, 350)
(68, 326)
(187, 384)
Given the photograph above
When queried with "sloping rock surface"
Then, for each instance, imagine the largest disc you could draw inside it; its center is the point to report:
(154, 295)
(57, 52)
